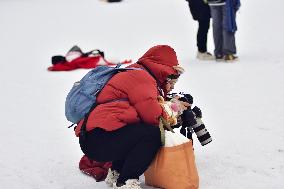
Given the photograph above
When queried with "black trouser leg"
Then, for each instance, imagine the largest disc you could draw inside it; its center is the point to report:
(203, 27)
(140, 157)
(117, 165)
(136, 145)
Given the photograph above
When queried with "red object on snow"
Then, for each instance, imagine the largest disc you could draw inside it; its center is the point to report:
(76, 58)
(83, 62)
(97, 170)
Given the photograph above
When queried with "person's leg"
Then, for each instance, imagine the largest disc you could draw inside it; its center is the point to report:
(117, 165)
(202, 34)
(229, 46)
(136, 145)
(140, 157)
(216, 13)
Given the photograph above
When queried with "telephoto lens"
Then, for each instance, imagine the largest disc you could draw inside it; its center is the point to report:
(201, 132)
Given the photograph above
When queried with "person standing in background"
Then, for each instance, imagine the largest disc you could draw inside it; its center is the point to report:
(200, 12)
(223, 13)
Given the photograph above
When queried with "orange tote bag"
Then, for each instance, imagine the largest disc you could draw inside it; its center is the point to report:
(173, 167)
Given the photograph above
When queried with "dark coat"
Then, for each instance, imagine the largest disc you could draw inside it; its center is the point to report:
(199, 10)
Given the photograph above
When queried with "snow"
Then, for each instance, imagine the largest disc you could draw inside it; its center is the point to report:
(242, 102)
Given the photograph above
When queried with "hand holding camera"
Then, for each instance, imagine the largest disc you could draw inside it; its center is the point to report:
(191, 121)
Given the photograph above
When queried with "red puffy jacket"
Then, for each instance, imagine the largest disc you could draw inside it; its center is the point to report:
(139, 87)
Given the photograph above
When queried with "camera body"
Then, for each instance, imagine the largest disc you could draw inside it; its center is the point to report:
(191, 122)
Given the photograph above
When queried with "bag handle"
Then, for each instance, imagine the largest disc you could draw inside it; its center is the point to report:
(162, 125)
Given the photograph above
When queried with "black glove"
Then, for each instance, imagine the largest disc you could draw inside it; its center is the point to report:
(197, 112)
(188, 118)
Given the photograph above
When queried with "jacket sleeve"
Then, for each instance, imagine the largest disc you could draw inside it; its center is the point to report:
(143, 96)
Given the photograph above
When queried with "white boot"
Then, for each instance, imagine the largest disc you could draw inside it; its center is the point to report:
(204, 56)
(111, 177)
(129, 184)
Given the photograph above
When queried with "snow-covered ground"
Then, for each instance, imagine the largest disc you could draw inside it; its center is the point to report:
(242, 102)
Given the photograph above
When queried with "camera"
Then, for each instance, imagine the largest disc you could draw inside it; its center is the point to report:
(190, 121)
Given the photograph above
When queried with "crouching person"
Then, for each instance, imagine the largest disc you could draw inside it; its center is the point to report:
(123, 128)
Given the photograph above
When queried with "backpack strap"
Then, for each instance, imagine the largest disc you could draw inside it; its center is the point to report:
(157, 81)
(117, 67)
(83, 130)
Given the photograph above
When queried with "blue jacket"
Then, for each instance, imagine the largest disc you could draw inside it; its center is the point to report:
(231, 7)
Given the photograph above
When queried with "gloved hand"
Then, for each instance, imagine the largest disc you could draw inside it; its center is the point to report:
(188, 118)
(197, 112)
(170, 111)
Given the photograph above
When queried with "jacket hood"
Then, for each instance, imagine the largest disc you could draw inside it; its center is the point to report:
(160, 60)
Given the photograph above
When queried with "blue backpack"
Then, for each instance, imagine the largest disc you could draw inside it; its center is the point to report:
(82, 96)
